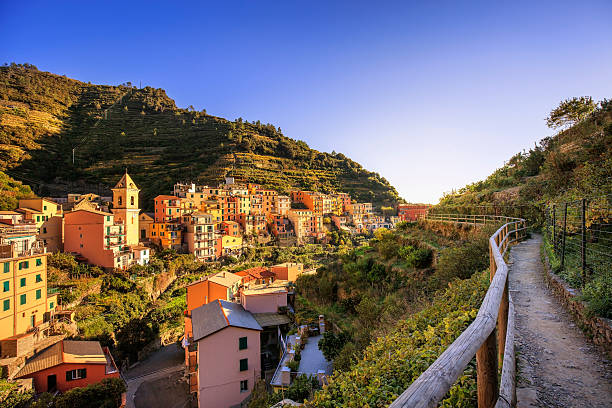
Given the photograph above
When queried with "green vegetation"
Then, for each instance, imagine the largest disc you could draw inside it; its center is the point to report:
(369, 289)
(392, 362)
(574, 163)
(11, 191)
(43, 117)
(302, 387)
(105, 394)
(12, 397)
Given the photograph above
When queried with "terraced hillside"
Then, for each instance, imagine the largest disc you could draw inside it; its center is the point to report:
(46, 120)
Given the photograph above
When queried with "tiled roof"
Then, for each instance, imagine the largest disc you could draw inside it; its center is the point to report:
(126, 181)
(212, 317)
(226, 279)
(65, 351)
(271, 319)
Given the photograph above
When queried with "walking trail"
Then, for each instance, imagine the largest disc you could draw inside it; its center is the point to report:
(556, 365)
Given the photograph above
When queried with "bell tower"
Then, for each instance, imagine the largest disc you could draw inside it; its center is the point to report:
(125, 207)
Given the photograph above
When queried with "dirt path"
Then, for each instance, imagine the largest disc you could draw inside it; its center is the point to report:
(557, 366)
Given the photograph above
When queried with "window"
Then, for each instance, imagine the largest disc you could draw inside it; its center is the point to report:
(44, 230)
(132, 200)
(76, 374)
(244, 385)
(244, 364)
(37, 218)
(22, 282)
(51, 305)
(39, 278)
(242, 343)
(119, 200)
(22, 299)
(38, 293)
(44, 208)
(6, 305)
(38, 262)
(6, 286)
(108, 218)
(6, 267)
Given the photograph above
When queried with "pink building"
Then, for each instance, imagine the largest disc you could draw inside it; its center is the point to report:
(264, 298)
(228, 353)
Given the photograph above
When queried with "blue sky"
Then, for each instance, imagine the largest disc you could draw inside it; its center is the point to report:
(431, 95)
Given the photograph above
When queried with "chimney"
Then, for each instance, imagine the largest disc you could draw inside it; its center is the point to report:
(321, 324)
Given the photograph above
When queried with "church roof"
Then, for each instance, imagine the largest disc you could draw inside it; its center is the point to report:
(126, 182)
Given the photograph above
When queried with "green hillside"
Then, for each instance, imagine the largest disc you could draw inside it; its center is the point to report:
(45, 117)
(574, 163)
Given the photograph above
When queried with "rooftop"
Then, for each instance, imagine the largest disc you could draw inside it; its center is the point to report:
(65, 351)
(226, 279)
(212, 317)
(278, 286)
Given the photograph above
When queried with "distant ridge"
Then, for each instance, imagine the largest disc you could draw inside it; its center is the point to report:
(46, 118)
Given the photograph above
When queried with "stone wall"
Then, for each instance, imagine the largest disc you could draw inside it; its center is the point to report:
(599, 329)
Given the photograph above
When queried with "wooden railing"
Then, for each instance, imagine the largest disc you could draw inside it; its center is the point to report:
(480, 337)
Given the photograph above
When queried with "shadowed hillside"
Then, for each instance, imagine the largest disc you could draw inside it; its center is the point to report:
(44, 118)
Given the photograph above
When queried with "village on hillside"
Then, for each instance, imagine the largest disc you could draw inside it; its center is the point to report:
(235, 322)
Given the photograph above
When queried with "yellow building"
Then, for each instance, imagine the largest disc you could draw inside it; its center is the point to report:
(47, 216)
(125, 208)
(166, 235)
(24, 302)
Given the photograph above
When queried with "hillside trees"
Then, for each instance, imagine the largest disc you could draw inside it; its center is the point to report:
(570, 111)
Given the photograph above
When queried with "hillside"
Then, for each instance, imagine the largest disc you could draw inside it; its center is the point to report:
(574, 163)
(44, 118)
(11, 191)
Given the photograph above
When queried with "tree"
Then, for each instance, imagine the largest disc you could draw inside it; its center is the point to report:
(570, 112)
(331, 344)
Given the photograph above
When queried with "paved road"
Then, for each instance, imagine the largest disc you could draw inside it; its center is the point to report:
(158, 381)
(556, 365)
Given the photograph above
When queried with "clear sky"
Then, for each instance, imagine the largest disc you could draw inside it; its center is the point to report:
(432, 95)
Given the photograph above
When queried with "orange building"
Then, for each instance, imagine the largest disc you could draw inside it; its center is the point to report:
(287, 271)
(305, 223)
(412, 212)
(69, 364)
(166, 235)
(96, 236)
(268, 200)
(167, 208)
(230, 228)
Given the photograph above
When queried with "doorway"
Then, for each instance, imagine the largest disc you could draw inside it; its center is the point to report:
(51, 383)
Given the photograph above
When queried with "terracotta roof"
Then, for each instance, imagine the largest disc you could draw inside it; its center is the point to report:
(166, 197)
(212, 317)
(9, 213)
(65, 351)
(258, 272)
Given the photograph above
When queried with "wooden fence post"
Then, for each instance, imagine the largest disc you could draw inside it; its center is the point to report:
(486, 371)
(502, 325)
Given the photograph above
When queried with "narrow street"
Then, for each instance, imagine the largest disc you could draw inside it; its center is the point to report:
(556, 365)
(158, 381)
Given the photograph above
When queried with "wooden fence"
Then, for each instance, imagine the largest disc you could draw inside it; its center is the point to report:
(480, 338)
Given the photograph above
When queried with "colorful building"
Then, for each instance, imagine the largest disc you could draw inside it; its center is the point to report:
(306, 223)
(125, 208)
(168, 209)
(200, 235)
(96, 236)
(227, 354)
(287, 271)
(69, 364)
(24, 300)
(412, 212)
(47, 215)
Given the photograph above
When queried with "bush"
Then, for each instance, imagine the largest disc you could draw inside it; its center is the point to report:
(598, 294)
(293, 365)
(331, 344)
(105, 394)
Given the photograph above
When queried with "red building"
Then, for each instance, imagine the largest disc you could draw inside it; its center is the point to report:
(412, 212)
(69, 364)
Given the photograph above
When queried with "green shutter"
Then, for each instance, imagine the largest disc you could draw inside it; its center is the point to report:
(38, 262)
(22, 282)
(51, 305)
(38, 293)
(6, 267)
(27, 264)
(6, 305)
(38, 278)
(242, 343)
(22, 299)
(244, 364)
(7, 286)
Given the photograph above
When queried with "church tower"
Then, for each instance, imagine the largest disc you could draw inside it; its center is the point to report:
(125, 207)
